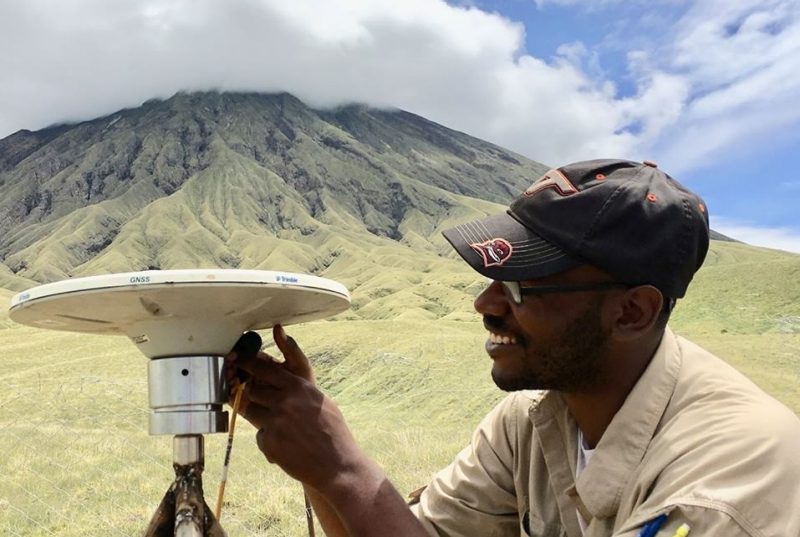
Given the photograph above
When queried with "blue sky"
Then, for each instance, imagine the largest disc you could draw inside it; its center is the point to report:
(709, 89)
(750, 183)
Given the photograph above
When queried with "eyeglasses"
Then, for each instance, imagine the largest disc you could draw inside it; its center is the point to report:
(515, 291)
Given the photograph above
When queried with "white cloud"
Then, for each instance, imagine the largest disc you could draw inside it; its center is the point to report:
(739, 60)
(459, 66)
(723, 77)
(779, 238)
(586, 4)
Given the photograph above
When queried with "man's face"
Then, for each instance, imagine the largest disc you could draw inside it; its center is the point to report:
(555, 341)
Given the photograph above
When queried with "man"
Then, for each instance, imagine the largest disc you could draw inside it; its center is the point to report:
(639, 432)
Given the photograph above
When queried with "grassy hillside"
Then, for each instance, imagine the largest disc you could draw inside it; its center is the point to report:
(744, 290)
(412, 382)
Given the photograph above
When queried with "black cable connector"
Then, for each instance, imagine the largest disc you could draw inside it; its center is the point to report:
(247, 346)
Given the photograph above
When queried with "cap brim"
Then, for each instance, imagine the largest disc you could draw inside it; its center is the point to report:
(501, 248)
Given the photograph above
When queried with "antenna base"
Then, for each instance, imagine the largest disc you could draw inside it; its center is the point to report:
(187, 394)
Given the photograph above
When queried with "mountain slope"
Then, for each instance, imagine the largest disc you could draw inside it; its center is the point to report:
(244, 181)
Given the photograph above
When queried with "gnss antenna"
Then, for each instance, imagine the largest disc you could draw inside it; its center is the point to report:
(185, 322)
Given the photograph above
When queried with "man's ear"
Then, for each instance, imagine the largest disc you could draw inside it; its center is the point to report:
(636, 312)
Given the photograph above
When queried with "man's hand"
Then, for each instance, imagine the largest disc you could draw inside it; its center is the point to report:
(300, 428)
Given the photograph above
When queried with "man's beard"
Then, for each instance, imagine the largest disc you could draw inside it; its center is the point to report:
(570, 363)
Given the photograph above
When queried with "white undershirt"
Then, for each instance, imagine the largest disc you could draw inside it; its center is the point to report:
(584, 455)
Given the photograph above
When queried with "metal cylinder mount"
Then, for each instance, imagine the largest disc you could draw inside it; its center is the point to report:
(188, 450)
(187, 394)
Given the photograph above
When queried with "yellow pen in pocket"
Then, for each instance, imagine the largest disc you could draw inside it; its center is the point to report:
(682, 531)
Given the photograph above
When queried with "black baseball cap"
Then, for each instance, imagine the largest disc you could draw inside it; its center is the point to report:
(629, 219)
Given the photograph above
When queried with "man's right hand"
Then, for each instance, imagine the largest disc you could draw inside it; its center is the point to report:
(303, 431)
(299, 428)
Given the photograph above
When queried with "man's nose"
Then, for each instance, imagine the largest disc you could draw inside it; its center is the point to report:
(492, 300)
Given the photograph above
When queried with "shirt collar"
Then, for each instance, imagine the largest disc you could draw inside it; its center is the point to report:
(625, 441)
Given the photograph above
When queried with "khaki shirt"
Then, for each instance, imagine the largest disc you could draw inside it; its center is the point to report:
(694, 439)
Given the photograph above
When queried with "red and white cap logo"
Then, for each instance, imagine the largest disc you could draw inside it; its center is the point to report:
(494, 252)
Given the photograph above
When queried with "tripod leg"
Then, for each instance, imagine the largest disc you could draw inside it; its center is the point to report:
(163, 521)
(213, 529)
(189, 504)
(180, 513)
(183, 511)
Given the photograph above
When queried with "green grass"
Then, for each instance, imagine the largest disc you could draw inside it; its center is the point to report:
(744, 290)
(412, 380)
